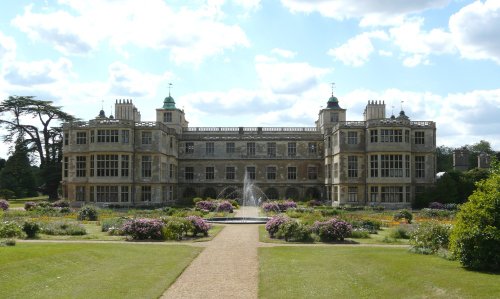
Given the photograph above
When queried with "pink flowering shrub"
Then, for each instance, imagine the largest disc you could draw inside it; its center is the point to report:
(273, 224)
(206, 205)
(278, 206)
(30, 205)
(332, 230)
(143, 229)
(200, 225)
(224, 206)
(4, 205)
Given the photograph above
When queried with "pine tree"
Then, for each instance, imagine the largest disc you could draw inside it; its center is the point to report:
(17, 175)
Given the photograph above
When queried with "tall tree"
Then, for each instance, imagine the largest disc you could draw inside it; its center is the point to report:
(44, 139)
(17, 175)
(444, 157)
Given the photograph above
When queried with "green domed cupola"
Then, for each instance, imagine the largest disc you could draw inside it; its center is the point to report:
(169, 102)
(333, 103)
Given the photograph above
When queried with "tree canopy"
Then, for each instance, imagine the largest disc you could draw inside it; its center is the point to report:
(37, 123)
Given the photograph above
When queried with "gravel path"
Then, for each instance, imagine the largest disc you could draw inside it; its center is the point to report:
(227, 268)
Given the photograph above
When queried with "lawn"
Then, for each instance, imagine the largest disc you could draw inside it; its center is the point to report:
(91, 270)
(19, 203)
(367, 272)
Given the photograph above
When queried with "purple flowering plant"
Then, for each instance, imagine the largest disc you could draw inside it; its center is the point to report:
(200, 225)
(4, 205)
(273, 224)
(332, 230)
(143, 229)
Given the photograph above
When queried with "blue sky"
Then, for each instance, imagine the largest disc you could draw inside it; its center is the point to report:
(261, 63)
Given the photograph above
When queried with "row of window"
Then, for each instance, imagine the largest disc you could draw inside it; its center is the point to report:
(116, 165)
(113, 136)
(381, 135)
(251, 148)
(115, 194)
(384, 166)
(271, 173)
(390, 194)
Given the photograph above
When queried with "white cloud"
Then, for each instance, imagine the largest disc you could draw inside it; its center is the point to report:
(126, 81)
(37, 72)
(371, 12)
(417, 44)
(248, 4)
(7, 47)
(191, 35)
(476, 28)
(288, 78)
(283, 53)
(356, 51)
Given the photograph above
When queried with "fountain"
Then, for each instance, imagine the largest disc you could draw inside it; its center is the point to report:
(249, 197)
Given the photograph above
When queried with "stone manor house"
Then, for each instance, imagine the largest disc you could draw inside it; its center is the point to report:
(123, 160)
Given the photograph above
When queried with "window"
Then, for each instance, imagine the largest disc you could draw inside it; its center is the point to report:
(125, 136)
(164, 171)
(145, 193)
(210, 173)
(292, 149)
(189, 147)
(107, 136)
(125, 165)
(167, 117)
(329, 142)
(171, 170)
(335, 193)
(124, 195)
(271, 149)
(373, 136)
(251, 172)
(420, 166)
(419, 137)
(373, 193)
(392, 194)
(107, 193)
(92, 165)
(81, 166)
(352, 166)
(335, 139)
(251, 149)
(407, 166)
(230, 173)
(92, 136)
(91, 194)
(81, 137)
(146, 162)
(80, 193)
(407, 136)
(334, 117)
(328, 171)
(352, 137)
(391, 135)
(189, 173)
(146, 137)
(335, 170)
(66, 139)
(352, 194)
(209, 148)
(107, 165)
(65, 167)
(292, 173)
(407, 195)
(230, 147)
(391, 166)
(373, 166)
(271, 172)
(312, 172)
(312, 148)
(171, 143)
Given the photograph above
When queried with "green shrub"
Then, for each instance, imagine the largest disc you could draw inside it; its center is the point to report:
(294, 231)
(113, 225)
(437, 213)
(10, 229)
(360, 233)
(176, 228)
(372, 226)
(7, 194)
(475, 240)
(400, 232)
(31, 228)
(429, 237)
(7, 242)
(64, 228)
(403, 214)
(89, 213)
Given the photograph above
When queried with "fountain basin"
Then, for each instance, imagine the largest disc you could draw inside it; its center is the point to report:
(238, 220)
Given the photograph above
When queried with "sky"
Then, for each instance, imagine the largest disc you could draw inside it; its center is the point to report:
(261, 63)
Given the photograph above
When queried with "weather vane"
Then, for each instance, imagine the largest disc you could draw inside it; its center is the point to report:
(402, 105)
(169, 87)
(333, 85)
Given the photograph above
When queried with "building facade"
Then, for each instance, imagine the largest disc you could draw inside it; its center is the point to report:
(122, 160)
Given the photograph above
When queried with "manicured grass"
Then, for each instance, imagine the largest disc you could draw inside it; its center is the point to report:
(367, 272)
(19, 203)
(91, 270)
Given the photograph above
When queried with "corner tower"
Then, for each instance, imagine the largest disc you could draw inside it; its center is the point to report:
(170, 115)
(331, 115)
